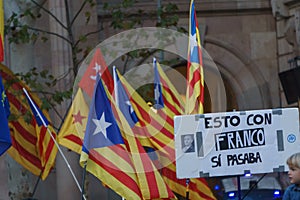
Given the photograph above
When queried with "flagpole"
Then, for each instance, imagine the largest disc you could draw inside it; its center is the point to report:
(36, 184)
(59, 149)
(83, 179)
(187, 192)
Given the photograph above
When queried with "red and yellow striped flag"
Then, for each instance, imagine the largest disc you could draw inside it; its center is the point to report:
(105, 164)
(112, 165)
(32, 146)
(172, 105)
(72, 131)
(195, 75)
(154, 127)
(151, 183)
(103, 133)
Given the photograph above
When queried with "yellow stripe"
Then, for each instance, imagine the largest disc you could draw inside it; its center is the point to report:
(31, 148)
(181, 189)
(138, 162)
(172, 88)
(111, 181)
(49, 163)
(70, 145)
(23, 162)
(27, 165)
(163, 139)
(169, 99)
(69, 128)
(23, 141)
(115, 158)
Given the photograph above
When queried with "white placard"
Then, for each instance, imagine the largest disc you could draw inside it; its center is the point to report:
(232, 143)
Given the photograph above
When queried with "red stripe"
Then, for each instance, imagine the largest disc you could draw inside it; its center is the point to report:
(21, 148)
(165, 116)
(16, 84)
(149, 171)
(170, 150)
(1, 46)
(195, 78)
(152, 121)
(28, 156)
(26, 135)
(173, 99)
(41, 140)
(174, 109)
(15, 102)
(19, 128)
(121, 151)
(170, 174)
(23, 132)
(108, 80)
(50, 145)
(169, 103)
(171, 153)
(115, 171)
(143, 132)
(73, 138)
(155, 137)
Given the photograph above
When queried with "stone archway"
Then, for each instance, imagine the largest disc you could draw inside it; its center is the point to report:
(241, 75)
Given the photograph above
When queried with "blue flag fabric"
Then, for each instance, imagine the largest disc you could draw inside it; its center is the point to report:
(5, 140)
(158, 98)
(123, 101)
(40, 118)
(126, 108)
(102, 129)
(194, 51)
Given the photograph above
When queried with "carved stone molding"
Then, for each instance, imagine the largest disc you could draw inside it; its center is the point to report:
(289, 12)
(279, 9)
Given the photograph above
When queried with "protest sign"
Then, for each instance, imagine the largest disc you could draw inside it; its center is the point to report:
(232, 143)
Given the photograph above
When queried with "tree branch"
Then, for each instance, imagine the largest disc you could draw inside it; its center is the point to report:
(50, 33)
(47, 11)
(88, 34)
(78, 12)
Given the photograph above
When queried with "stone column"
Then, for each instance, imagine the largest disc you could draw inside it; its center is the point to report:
(4, 190)
(61, 61)
(16, 181)
(287, 16)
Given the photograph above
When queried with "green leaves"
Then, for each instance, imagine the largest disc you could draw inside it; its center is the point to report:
(43, 83)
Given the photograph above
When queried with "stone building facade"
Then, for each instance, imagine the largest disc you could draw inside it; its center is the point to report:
(250, 42)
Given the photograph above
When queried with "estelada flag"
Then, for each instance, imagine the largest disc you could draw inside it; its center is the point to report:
(32, 146)
(96, 66)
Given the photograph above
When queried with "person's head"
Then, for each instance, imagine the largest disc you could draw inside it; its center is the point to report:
(294, 168)
(188, 140)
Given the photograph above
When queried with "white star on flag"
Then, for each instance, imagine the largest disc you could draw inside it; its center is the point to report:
(156, 92)
(101, 125)
(130, 106)
(97, 69)
(193, 43)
